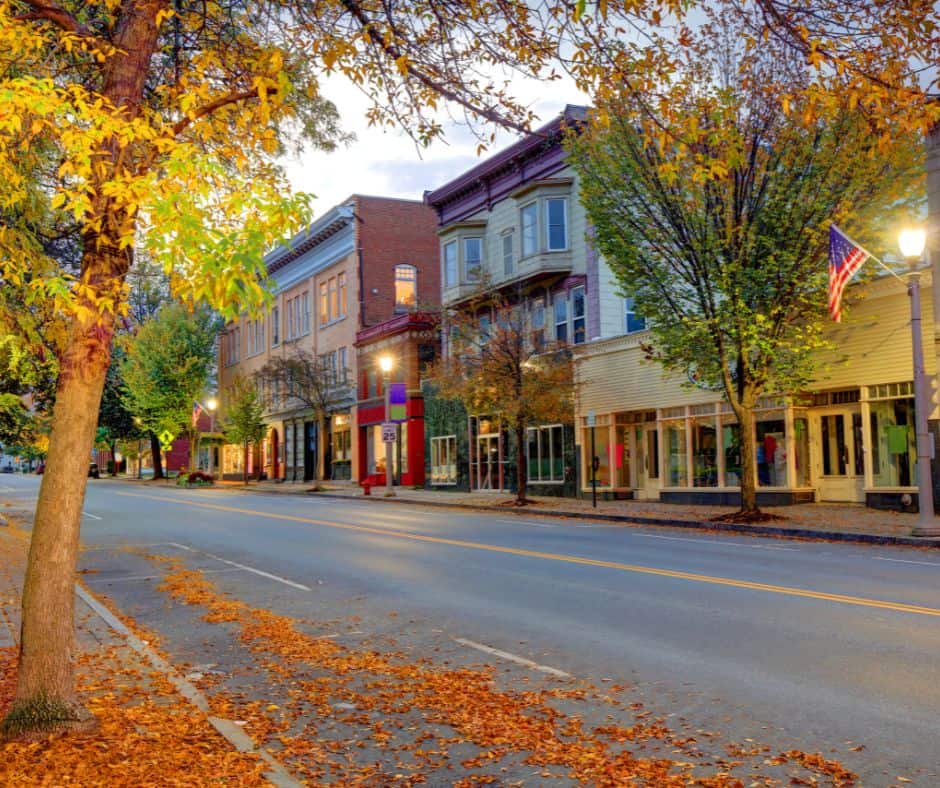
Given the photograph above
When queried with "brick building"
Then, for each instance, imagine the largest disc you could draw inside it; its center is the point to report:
(362, 263)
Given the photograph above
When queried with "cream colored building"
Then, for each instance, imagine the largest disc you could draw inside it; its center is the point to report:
(848, 437)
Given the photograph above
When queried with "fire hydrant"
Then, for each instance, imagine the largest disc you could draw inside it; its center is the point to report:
(366, 488)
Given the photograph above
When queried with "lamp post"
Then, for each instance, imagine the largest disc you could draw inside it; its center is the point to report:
(912, 243)
(211, 405)
(385, 364)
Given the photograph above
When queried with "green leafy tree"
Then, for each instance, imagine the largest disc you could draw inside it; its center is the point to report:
(498, 365)
(715, 218)
(167, 366)
(115, 420)
(243, 419)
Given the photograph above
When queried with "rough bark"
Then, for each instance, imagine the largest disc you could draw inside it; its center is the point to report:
(748, 456)
(155, 455)
(522, 470)
(45, 696)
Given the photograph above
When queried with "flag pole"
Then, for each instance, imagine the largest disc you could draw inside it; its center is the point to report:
(876, 259)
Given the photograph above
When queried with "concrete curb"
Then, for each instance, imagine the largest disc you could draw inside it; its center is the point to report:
(701, 525)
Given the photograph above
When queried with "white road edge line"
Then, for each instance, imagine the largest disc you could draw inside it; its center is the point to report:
(242, 742)
(92, 516)
(121, 546)
(268, 575)
(720, 543)
(904, 561)
(513, 658)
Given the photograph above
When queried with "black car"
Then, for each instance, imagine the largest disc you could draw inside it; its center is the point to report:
(93, 471)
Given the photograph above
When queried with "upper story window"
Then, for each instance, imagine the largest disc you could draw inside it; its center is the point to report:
(537, 319)
(631, 320)
(556, 224)
(255, 336)
(529, 222)
(324, 305)
(231, 346)
(343, 295)
(578, 323)
(472, 258)
(450, 264)
(507, 254)
(561, 317)
(334, 298)
(305, 312)
(342, 361)
(406, 287)
(275, 326)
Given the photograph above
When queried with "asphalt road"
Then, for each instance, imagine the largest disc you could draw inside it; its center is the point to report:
(818, 645)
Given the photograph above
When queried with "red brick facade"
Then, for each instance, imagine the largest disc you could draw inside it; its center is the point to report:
(392, 232)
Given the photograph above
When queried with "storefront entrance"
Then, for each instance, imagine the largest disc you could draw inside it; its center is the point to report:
(838, 464)
(488, 466)
(646, 452)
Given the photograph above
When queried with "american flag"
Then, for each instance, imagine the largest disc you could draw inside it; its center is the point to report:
(845, 258)
(197, 409)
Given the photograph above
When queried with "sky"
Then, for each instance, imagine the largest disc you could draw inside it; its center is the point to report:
(389, 164)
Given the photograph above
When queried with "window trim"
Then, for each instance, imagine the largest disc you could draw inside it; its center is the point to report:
(412, 270)
(629, 308)
(509, 261)
(467, 279)
(539, 430)
(523, 251)
(548, 227)
(455, 279)
(450, 441)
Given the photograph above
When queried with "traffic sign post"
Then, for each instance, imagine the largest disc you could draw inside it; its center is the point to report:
(591, 421)
(389, 432)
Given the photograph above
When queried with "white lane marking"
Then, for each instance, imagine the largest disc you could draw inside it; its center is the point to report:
(92, 516)
(720, 543)
(110, 580)
(513, 658)
(268, 575)
(905, 561)
(235, 736)
(526, 522)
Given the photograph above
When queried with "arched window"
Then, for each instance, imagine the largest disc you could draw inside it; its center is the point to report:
(406, 287)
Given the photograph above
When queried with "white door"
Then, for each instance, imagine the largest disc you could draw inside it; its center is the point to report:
(646, 440)
(839, 464)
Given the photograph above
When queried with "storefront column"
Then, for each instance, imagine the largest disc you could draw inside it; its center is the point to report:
(789, 442)
(634, 450)
(719, 445)
(867, 454)
(662, 447)
(689, 461)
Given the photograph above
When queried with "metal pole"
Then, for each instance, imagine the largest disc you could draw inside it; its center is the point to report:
(389, 447)
(927, 524)
(593, 471)
(211, 444)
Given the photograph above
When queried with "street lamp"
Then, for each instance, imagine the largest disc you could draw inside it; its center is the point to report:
(912, 242)
(211, 405)
(385, 364)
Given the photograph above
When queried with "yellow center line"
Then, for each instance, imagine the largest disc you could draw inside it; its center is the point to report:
(568, 559)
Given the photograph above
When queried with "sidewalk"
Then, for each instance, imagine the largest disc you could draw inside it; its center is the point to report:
(147, 731)
(839, 522)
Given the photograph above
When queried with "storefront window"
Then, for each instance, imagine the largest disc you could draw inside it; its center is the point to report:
(835, 449)
(444, 460)
(676, 454)
(342, 440)
(801, 446)
(704, 453)
(622, 458)
(545, 459)
(731, 446)
(771, 454)
(601, 452)
(894, 449)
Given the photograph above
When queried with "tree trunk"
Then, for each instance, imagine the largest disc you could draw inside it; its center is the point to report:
(521, 470)
(45, 698)
(245, 465)
(745, 416)
(155, 454)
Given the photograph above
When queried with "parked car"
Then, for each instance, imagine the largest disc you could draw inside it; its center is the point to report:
(41, 468)
(93, 471)
(8, 468)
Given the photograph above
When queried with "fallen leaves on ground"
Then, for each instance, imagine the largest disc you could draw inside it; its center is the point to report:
(420, 714)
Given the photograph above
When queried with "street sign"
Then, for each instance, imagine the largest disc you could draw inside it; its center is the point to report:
(590, 418)
(389, 432)
(166, 440)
